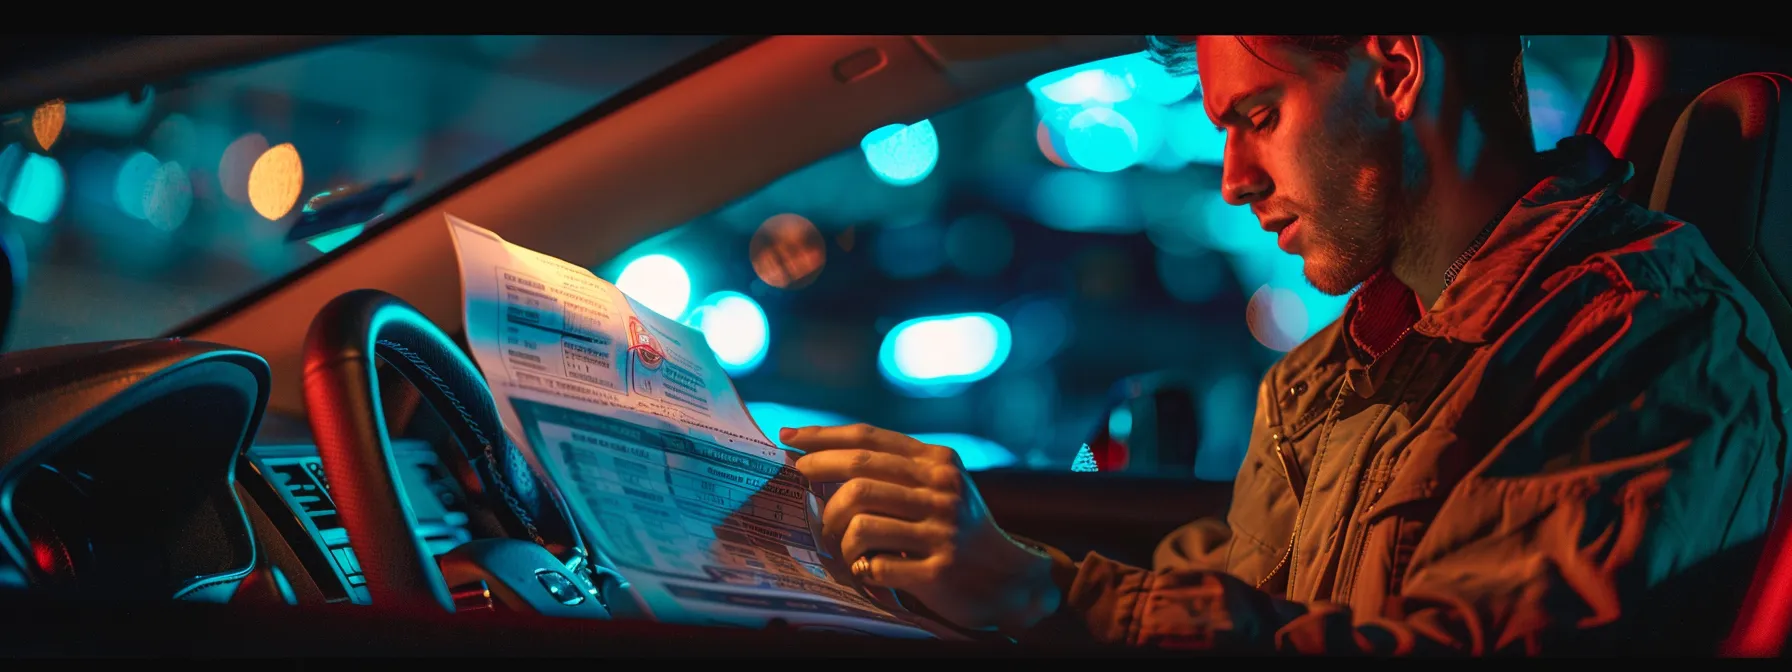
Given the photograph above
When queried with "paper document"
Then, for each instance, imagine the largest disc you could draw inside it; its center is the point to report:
(640, 430)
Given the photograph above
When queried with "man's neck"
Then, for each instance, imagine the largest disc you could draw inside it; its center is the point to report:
(1458, 206)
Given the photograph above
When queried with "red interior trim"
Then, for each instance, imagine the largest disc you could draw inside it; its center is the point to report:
(1605, 88)
(1766, 615)
(1634, 85)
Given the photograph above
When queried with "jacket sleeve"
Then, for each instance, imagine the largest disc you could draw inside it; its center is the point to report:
(1198, 545)
(1642, 444)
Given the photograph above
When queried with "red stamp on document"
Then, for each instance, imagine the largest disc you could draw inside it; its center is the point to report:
(642, 345)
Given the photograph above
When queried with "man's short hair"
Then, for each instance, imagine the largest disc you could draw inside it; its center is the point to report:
(1491, 67)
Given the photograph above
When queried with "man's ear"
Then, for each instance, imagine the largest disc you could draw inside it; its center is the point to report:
(1400, 72)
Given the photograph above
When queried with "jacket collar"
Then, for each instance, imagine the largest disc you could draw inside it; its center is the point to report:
(1482, 300)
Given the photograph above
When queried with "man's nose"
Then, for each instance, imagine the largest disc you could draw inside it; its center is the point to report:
(1242, 180)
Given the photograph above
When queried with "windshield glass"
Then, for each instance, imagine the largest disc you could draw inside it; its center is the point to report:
(141, 211)
(1043, 267)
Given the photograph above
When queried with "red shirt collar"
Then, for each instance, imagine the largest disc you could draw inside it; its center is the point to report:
(1382, 310)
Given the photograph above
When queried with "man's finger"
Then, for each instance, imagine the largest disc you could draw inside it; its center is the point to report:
(839, 466)
(863, 495)
(870, 533)
(897, 572)
(860, 436)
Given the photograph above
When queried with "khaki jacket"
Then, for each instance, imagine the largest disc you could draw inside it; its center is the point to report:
(1580, 444)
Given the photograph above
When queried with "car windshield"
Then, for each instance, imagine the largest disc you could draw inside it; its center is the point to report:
(141, 211)
(1043, 267)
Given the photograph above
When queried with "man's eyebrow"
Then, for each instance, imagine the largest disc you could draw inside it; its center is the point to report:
(1230, 110)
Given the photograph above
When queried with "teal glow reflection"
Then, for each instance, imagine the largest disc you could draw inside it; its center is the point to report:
(937, 356)
(735, 328)
(658, 282)
(38, 190)
(900, 154)
(1113, 114)
(1102, 140)
(334, 239)
(134, 179)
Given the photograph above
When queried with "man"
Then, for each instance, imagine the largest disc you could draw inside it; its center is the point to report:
(1548, 417)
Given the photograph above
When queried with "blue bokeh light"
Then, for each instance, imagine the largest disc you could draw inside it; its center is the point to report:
(658, 282)
(932, 355)
(1116, 113)
(900, 154)
(1102, 140)
(168, 196)
(38, 189)
(1090, 83)
(735, 327)
(132, 185)
(1120, 423)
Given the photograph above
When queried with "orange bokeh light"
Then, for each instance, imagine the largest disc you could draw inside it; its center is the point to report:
(276, 180)
(46, 123)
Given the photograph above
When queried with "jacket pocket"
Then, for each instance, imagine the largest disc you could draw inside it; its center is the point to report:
(1300, 402)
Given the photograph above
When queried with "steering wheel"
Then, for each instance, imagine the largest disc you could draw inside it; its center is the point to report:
(342, 399)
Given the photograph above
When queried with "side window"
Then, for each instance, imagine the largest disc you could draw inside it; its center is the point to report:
(1042, 268)
(1560, 72)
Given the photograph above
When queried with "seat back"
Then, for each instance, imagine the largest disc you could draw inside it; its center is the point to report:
(1724, 172)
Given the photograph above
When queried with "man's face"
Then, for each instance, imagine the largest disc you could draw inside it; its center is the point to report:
(1307, 152)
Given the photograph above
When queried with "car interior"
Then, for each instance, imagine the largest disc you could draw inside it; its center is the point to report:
(317, 459)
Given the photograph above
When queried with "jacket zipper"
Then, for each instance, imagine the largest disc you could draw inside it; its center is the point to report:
(1449, 279)
(1297, 480)
(1348, 572)
(1290, 472)
(1288, 461)
(1357, 539)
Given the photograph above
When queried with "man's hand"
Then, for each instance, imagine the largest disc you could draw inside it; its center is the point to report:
(910, 507)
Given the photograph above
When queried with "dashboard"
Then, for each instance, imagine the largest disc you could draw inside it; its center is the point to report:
(285, 478)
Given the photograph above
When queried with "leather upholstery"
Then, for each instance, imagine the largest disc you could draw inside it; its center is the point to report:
(341, 398)
(1726, 171)
(120, 456)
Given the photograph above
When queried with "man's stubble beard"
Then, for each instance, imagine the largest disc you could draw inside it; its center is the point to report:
(1372, 218)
